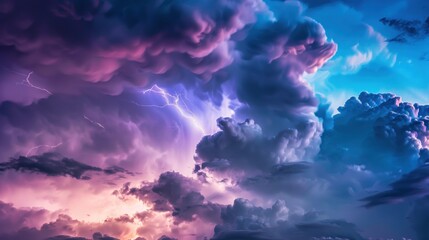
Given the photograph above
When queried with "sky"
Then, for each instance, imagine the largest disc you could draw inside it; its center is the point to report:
(223, 120)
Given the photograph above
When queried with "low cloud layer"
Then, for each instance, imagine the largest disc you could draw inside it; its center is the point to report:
(52, 164)
(411, 185)
(242, 220)
(24, 224)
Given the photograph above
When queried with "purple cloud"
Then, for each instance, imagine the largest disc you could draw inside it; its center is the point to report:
(177, 194)
(274, 56)
(409, 186)
(20, 224)
(242, 147)
(117, 44)
(52, 164)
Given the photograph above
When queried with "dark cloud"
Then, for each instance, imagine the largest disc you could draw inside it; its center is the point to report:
(268, 84)
(243, 220)
(52, 164)
(132, 24)
(167, 43)
(64, 237)
(243, 214)
(308, 231)
(116, 170)
(242, 146)
(378, 131)
(118, 43)
(100, 236)
(411, 185)
(177, 194)
(290, 168)
(166, 238)
(409, 29)
(95, 236)
(78, 45)
(275, 55)
(377, 138)
(400, 38)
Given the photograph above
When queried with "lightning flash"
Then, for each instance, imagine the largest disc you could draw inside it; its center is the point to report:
(36, 148)
(175, 102)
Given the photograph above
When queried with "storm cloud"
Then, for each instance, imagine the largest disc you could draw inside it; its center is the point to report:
(98, 130)
(275, 55)
(243, 220)
(116, 44)
(411, 185)
(52, 164)
(243, 146)
(130, 91)
(378, 131)
(175, 193)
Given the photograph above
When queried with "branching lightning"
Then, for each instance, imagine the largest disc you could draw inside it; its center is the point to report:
(42, 146)
(28, 83)
(175, 102)
(94, 122)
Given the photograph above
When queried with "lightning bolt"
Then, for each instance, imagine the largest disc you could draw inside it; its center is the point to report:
(42, 146)
(30, 84)
(94, 122)
(175, 102)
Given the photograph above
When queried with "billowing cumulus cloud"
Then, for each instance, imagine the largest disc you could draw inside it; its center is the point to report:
(275, 55)
(12, 219)
(243, 220)
(40, 224)
(242, 147)
(115, 43)
(177, 194)
(178, 41)
(378, 131)
(381, 138)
